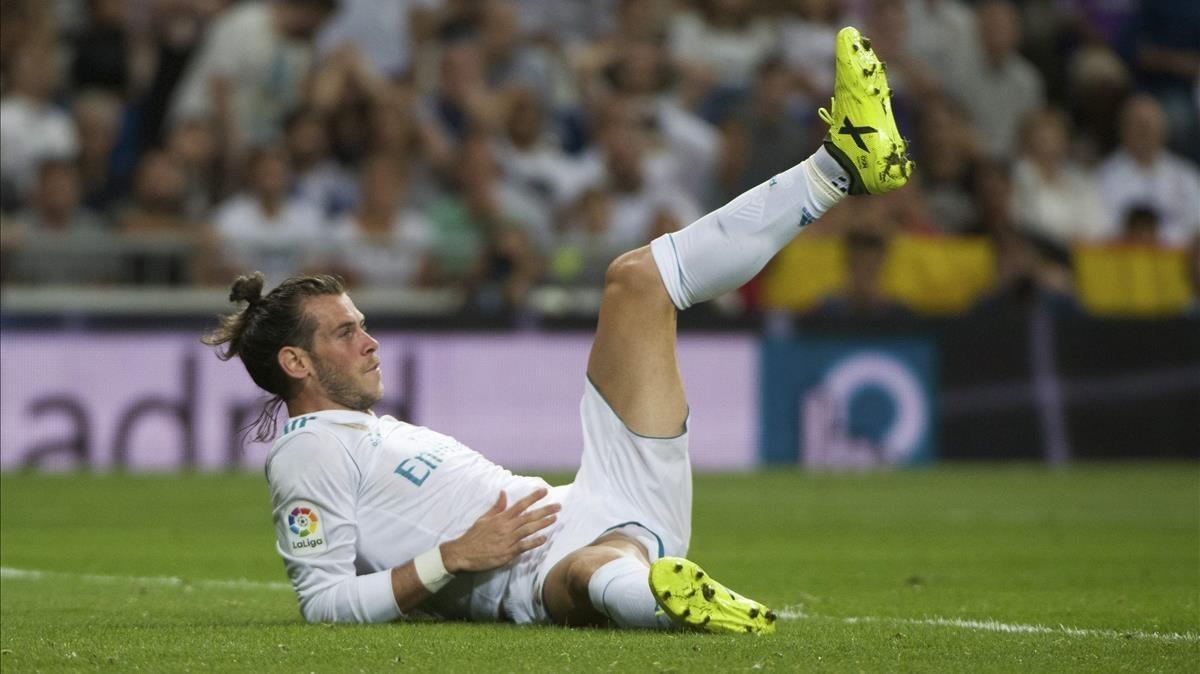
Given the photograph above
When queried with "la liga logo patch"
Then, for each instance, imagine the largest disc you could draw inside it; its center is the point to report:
(302, 521)
(305, 528)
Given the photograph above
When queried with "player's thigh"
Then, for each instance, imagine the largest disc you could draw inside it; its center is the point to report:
(633, 362)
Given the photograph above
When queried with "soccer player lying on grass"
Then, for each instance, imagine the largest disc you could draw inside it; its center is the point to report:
(377, 518)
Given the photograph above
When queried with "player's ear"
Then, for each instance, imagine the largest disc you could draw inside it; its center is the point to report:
(295, 362)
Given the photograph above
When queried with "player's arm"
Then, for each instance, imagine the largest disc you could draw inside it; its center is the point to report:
(314, 486)
(498, 536)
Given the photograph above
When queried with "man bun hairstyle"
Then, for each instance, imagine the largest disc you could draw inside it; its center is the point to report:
(257, 331)
(247, 288)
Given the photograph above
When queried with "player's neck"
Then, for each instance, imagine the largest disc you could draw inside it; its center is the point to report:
(307, 404)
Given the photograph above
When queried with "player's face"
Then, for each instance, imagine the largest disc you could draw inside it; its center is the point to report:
(344, 356)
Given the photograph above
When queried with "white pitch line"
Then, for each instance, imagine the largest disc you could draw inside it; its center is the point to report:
(797, 613)
(9, 573)
(786, 613)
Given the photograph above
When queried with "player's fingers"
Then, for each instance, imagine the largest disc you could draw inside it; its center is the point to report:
(498, 507)
(532, 515)
(533, 527)
(533, 497)
(531, 543)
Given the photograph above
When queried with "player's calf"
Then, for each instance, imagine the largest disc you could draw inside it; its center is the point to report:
(603, 584)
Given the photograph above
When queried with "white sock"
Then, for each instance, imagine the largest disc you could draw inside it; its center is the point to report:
(724, 249)
(621, 590)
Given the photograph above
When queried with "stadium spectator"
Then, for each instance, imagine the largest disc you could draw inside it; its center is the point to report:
(570, 23)
(106, 55)
(532, 158)
(158, 204)
(344, 91)
(194, 147)
(1026, 280)
(992, 191)
(718, 44)
(941, 36)
(32, 128)
(763, 137)
(1097, 21)
(56, 240)
(511, 61)
(381, 29)
(23, 22)
(641, 187)
(509, 270)
(482, 204)
(1053, 198)
(176, 29)
(911, 82)
(644, 19)
(425, 152)
(863, 297)
(1140, 227)
(1098, 85)
(1143, 171)
(908, 209)
(585, 247)
(318, 177)
(462, 103)
(1193, 309)
(250, 67)
(1166, 51)
(576, 195)
(999, 87)
(97, 123)
(582, 254)
(949, 150)
(634, 21)
(807, 37)
(264, 227)
(383, 242)
(160, 242)
(640, 95)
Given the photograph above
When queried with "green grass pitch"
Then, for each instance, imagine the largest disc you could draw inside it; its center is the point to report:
(1095, 568)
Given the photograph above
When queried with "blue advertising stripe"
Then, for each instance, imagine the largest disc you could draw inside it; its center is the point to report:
(835, 400)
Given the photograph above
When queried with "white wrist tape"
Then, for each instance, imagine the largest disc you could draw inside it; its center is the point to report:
(431, 570)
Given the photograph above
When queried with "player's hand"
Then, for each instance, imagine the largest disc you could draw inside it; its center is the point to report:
(500, 534)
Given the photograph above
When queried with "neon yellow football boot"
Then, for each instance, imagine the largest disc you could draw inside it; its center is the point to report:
(862, 131)
(689, 597)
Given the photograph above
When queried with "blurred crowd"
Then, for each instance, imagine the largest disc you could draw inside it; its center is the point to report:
(497, 145)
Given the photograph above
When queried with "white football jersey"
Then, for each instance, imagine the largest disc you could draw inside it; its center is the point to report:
(354, 495)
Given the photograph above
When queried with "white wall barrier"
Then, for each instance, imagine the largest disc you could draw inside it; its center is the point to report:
(158, 401)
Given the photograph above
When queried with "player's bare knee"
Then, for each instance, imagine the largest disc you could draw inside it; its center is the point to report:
(632, 270)
(585, 562)
(635, 274)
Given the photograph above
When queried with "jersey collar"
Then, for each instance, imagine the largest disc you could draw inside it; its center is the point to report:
(341, 417)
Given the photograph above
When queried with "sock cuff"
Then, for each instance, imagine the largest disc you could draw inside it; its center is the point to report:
(824, 187)
(610, 573)
(666, 258)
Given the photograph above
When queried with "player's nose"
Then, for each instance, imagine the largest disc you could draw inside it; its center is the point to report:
(372, 343)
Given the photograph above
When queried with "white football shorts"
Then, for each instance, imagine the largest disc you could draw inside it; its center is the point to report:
(639, 485)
